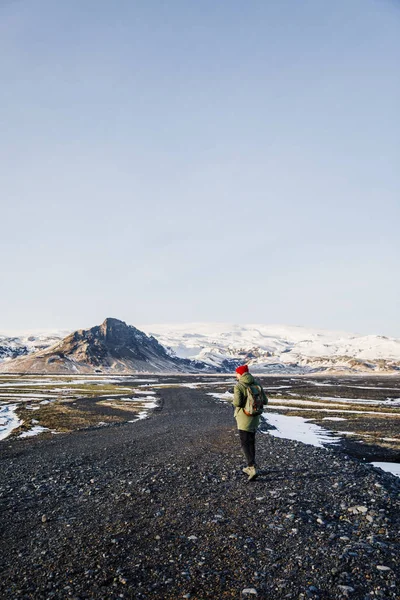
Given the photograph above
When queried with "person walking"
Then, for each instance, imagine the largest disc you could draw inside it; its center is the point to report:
(247, 423)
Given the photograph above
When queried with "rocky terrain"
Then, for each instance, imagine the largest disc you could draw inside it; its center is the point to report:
(160, 509)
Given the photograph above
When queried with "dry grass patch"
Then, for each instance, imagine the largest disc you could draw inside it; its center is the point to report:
(93, 390)
(62, 418)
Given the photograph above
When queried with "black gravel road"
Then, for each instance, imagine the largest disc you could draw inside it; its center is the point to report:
(160, 509)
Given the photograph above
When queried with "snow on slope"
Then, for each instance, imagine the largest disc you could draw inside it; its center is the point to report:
(20, 344)
(267, 345)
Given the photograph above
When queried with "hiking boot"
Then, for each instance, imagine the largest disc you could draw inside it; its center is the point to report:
(252, 473)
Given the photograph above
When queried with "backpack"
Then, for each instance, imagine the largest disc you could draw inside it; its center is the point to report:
(254, 402)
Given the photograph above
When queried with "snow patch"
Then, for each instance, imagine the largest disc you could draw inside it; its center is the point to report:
(393, 468)
(8, 420)
(299, 429)
(227, 396)
(34, 431)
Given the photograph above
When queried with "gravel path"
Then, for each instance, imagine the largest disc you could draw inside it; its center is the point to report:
(160, 509)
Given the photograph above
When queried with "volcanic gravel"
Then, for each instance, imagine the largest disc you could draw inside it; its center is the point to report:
(161, 509)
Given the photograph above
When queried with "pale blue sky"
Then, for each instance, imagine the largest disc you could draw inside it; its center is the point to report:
(200, 161)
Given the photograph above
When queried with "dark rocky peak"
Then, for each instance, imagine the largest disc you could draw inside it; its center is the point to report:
(114, 329)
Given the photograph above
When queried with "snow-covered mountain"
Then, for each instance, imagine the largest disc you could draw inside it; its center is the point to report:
(27, 342)
(267, 348)
(275, 348)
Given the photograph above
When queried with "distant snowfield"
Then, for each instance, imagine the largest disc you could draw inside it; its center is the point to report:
(207, 341)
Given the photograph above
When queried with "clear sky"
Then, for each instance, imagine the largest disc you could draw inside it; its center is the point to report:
(182, 160)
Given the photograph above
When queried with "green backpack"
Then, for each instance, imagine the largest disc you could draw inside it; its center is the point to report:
(254, 402)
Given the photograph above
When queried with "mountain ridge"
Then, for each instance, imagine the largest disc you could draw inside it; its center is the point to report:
(220, 346)
(276, 348)
(112, 346)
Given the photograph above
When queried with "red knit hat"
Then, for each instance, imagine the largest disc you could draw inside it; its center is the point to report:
(242, 369)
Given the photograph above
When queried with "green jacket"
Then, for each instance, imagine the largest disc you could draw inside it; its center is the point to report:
(239, 400)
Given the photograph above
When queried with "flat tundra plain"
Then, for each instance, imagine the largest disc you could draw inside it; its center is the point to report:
(139, 492)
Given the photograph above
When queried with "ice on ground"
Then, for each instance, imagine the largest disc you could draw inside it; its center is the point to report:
(25, 384)
(27, 396)
(149, 401)
(220, 382)
(227, 396)
(393, 468)
(191, 386)
(349, 385)
(369, 387)
(34, 431)
(392, 401)
(299, 429)
(332, 410)
(41, 383)
(318, 383)
(197, 384)
(305, 402)
(333, 419)
(8, 420)
(78, 381)
(143, 414)
(72, 380)
(277, 387)
(329, 399)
